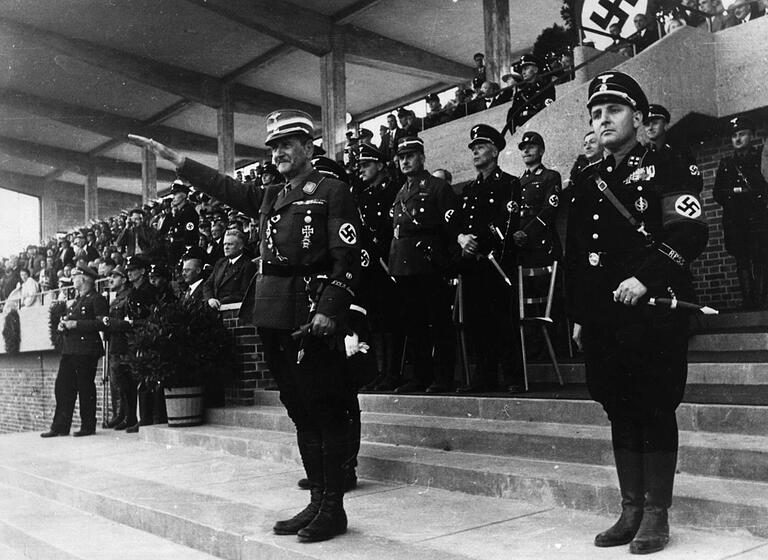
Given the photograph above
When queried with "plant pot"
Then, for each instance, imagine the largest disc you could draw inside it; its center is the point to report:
(184, 406)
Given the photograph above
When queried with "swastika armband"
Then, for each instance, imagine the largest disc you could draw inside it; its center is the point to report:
(681, 207)
(342, 233)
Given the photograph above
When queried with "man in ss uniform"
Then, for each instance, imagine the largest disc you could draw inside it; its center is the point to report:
(634, 228)
(487, 204)
(532, 94)
(182, 225)
(80, 353)
(741, 190)
(374, 201)
(121, 383)
(536, 236)
(421, 258)
(308, 229)
(656, 131)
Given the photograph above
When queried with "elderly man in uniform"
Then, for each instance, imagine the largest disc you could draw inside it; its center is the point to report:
(80, 353)
(308, 229)
(488, 205)
(634, 228)
(421, 258)
(182, 225)
(656, 125)
(374, 201)
(536, 237)
(741, 190)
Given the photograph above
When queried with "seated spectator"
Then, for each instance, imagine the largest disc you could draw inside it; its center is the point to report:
(231, 274)
(29, 289)
(673, 25)
(647, 32)
(743, 11)
(619, 44)
(435, 114)
(460, 105)
(365, 136)
(408, 123)
(716, 12)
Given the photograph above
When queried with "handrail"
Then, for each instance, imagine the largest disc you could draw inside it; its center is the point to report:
(69, 290)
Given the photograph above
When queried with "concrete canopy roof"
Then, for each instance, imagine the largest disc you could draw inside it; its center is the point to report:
(80, 74)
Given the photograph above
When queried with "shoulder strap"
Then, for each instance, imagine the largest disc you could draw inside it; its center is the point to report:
(602, 186)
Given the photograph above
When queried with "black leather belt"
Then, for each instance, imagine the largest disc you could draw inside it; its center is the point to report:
(287, 270)
(418, 232)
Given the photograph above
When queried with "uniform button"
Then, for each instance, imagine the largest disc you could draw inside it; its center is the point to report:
(599, 199)
(596, 217)
(639, 188)
(307, 219)
(421, 209)
(490, 200)
(309, 211)
(609, 168)
(595, 236)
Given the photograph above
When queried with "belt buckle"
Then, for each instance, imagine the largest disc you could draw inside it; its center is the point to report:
(594, 259)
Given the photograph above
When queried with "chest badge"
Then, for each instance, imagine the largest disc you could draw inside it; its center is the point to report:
(512, 207)
(306, 241)
(641, 205)
(310, 187)
(594, 259)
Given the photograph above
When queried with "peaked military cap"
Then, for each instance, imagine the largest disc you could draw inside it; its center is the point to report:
(118, 270)
(370, 153)
(194, 253)
(288, 122)
(531, 137)
(159, 270)
(656, 111)
(741, 123)
(178, 186)
(134, 262)
(478, 55)
(270, 168)
(431, 97)
(410, 144)
(86, 270)
(318, 151)
(617, 86)
(486, 133)
(530, 58)
(365, 133)
(330, 168)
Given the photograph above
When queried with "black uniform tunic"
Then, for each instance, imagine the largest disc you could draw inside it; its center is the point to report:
(539, 203)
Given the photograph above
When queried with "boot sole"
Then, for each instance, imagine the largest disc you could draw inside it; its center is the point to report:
(320, 538)
(609, 544)
(636, 550)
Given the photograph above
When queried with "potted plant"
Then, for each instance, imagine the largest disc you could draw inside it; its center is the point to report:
(182, 346)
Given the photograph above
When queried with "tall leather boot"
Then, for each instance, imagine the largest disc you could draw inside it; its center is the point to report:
(659, 476)
(311, 450)
(331, 519)
(392, 351)
(746, 286)
(629, 467)
(761, 286)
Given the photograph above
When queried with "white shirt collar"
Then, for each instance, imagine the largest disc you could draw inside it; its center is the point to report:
(233, 261)
(194, 285)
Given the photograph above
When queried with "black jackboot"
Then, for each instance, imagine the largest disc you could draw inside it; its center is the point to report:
(629, 467)
(747, 286)
(311, 449)
(331, 520)
(659, 476)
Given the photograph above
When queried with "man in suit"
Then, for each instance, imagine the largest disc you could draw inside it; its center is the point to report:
(231, 274)
(136, 238)
(310, 265)
(215, 249)
(647, 33)
(80, 353)
(192, 273)
(85, 251)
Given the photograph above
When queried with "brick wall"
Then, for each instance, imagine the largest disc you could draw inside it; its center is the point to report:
(27, 381)
(715, 270)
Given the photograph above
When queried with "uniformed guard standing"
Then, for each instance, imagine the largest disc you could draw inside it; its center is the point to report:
(634, 227)
(488, 205)
(421, 257)
(741, 190)
(79, 355)
(656, 131)
(121, 382)
(308, 229)
(374, 199)
(537, 237)
(532, 94)
(182, 225)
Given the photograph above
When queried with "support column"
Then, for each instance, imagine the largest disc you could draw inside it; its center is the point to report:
(49, 218)
(333, 92)
(91, 196)
(498, 52)
(225, 122)
(148, 175)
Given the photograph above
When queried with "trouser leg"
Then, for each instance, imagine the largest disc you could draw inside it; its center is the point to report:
(86, 388)
(65, 390)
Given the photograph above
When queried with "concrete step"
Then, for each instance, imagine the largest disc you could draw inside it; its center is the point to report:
(41, 529)
(738, 419)
(699, 373)
(701, 453)
(729, 342)
(699, 500)
(731, 320)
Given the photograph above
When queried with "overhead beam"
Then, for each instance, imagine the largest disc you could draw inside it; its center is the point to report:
(196, 86)
(311, 31)
(77, 161)
(399, 102)
(113, 125)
